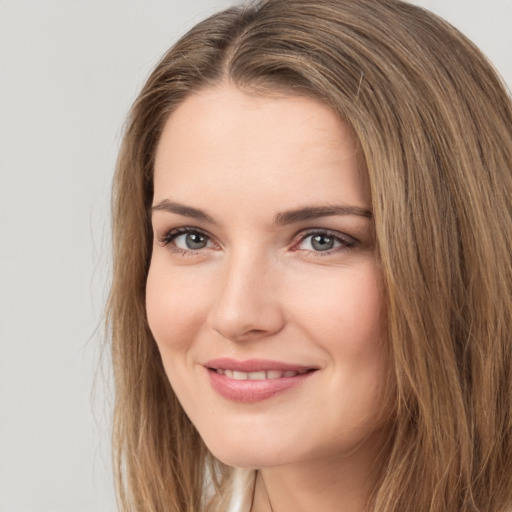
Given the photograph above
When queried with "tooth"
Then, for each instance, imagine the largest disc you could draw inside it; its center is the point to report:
(256, 375)
(261, 375)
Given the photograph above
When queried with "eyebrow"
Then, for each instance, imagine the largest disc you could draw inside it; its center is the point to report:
(180, 209)
(282, 219)
(315, 212)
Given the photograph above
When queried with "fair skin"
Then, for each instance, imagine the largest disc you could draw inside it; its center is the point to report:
(237, 283)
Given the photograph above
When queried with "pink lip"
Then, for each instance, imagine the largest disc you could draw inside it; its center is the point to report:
(250, 391)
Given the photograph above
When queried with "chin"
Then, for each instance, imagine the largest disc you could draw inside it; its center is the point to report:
(249, 454)
(244, 460)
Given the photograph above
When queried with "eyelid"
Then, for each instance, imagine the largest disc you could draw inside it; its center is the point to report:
(169, 235)
(347, 241)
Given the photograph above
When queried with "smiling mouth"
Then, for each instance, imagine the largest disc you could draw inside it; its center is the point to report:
(256, 380)
(259, 375)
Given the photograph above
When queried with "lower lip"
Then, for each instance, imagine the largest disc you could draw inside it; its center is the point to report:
(250, 391)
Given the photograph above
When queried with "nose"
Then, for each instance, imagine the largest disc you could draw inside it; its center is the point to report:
(246, 305)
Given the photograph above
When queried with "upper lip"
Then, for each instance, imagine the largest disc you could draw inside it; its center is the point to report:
(255, 365)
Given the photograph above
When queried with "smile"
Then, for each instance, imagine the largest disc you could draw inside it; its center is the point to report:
(260, 375)
(255, 380)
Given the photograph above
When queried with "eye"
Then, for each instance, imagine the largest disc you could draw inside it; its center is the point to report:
(186, 240)
(192, 241)
(324, 242)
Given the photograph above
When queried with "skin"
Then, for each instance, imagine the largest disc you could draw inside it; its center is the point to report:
(261, 290)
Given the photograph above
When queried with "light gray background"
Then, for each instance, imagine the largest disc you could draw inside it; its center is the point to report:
(69, 71)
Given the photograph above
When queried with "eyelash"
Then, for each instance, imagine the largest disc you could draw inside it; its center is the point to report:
(171, 235)
(346, 242)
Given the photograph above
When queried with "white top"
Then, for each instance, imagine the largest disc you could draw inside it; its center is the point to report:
(243, 487)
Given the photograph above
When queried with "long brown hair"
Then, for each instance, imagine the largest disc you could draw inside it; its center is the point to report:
(434, 122)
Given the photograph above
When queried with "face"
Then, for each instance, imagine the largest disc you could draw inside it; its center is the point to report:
(262, 292)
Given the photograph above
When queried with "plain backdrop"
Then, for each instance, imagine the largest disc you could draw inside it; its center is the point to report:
(69, 70)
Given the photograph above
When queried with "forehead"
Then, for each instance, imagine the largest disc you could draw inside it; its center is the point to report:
(213, 113)
(223, 139)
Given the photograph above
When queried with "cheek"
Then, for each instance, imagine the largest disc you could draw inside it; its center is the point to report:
(345, 311)
(346, 318)
(175, 307)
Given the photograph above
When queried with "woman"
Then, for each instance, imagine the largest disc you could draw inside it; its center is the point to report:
(312, 268)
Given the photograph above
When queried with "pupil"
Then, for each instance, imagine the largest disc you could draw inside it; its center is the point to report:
(195, 241)
(322, 243)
